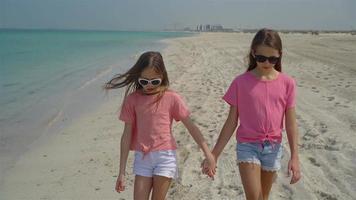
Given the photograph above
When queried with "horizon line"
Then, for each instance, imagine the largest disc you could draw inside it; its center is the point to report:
(171, 30)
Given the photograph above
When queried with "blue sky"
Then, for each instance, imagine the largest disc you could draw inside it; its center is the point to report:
(163, 14)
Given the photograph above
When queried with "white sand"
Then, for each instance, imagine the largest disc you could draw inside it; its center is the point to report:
(82, 161)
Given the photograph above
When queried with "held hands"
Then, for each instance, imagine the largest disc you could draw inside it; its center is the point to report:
(294, 169)
(120, 183)
(209, 166)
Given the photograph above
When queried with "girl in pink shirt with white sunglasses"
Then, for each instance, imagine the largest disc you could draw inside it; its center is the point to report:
(148, 111)
(262, 99)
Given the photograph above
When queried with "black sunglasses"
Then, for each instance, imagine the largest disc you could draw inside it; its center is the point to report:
(154, 82)
(271, 59)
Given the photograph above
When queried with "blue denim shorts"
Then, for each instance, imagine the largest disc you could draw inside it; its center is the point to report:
(267, 155)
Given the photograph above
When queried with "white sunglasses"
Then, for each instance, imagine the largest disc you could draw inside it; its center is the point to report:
(154, 82)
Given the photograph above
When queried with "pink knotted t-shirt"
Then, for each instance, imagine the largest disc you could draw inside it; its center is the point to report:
(152, 122)
(261, 106)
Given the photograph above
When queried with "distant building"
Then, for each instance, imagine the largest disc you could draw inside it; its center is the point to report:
(207, 27)
(217, 28)
(213, 28)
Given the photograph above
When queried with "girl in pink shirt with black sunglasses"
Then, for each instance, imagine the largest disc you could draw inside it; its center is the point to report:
(148, 111)
(262, 99)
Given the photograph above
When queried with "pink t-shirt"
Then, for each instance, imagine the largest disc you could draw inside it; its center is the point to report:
(261, 106)
(152, 122)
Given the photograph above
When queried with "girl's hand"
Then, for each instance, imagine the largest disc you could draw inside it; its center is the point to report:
(204, 167)
(120, 183)
(294, 169)
(209, 166)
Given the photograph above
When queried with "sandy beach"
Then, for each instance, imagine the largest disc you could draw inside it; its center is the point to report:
(81, 162)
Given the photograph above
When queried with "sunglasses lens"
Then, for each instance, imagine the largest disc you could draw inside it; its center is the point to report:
(273, 60)
(143, 82)
(260, 58)
(156, 82)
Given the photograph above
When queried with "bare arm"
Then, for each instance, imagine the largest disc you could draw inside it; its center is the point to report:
(226, 132)
(292, 132)
(125, 147)
(292, 135)
(197, 136)
(124, 153)
(199, 139)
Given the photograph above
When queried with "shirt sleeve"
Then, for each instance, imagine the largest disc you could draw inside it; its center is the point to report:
(127, 112)
(231, 94)
(291, 94)
(180, 109)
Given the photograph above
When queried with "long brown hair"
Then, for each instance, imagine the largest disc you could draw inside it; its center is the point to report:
(269, 38)
(130, 78)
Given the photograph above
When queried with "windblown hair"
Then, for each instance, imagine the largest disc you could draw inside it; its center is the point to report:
(130, 78)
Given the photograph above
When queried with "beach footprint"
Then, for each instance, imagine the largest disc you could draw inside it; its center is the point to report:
(322, 127)
(313, 161)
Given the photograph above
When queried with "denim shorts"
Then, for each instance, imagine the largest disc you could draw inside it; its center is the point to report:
(267, 155)
(160, 163)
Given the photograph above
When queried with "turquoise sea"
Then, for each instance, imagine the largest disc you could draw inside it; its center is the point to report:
(50, 77)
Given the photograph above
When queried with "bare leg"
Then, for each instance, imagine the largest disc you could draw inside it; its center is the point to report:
(142, 188)
(251, 180)
(160, 187)
(267, 179)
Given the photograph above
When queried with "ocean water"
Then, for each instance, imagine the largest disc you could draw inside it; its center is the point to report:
(49, 77)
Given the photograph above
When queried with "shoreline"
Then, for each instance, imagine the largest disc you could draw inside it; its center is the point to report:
(82, 161)
(49, 116)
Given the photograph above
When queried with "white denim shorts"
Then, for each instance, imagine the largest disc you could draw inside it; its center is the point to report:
(160, 163)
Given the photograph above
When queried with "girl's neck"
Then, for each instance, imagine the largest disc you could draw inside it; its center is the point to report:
(265, 74)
